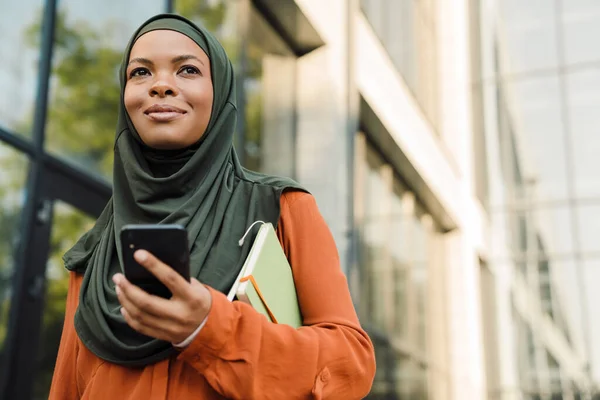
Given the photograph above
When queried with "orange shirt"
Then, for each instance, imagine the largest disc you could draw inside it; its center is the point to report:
(238, 354)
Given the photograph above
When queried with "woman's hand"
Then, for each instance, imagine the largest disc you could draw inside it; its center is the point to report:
(172, 320)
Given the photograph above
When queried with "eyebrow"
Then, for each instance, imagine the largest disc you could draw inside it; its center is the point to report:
(175, 60)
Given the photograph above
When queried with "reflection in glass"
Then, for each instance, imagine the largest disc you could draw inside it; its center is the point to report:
(68, 224)
(420, 277)
(84, 97)
(540, 231)
(404, 376)
(20, 26)
(588, 218)
(525, 349)
(535, 119)
(415, 55)
(510, 162)
(529, 33)
(383, 384)
(580, 23)
(591, 273)
(584, 103)
(395, 257)
(395, 374)
(374, 242)
(399, 248)
(13, 169)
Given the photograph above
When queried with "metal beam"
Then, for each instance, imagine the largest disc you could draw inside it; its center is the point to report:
(291, 24)
(25, 316)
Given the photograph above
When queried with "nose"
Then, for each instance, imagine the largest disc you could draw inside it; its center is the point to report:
(163, 87)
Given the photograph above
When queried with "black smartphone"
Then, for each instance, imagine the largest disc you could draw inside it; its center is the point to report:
(168, 243)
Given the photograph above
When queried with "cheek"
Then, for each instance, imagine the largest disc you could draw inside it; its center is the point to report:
(203, 104)
(132, 100)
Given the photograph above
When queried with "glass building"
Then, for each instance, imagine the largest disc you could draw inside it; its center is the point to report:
(536, 83)
(450, 146)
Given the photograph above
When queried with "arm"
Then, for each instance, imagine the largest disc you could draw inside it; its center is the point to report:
(244, 356)
(64, 380)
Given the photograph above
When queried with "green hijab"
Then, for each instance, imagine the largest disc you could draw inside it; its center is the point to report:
(203, 188)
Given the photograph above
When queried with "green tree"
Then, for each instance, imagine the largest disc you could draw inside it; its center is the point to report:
(85, 96)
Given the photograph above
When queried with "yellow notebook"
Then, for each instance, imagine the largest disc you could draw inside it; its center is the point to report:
(266, 281)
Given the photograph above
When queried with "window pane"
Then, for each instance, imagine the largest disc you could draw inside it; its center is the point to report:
(399, 249)
(19, 52)
(541, 232)
(566, 278)
(420, 279)
(269, 89)
(68, 224)
(415, 55)
(584, 102)
(580, 19)
(13, 175)
(530, 34)
(84, 98)
(383, 384)
(588, 218)
(535, 115)
(375, 241)
(591, 271)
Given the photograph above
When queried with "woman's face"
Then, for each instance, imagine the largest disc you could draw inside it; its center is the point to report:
(169, 91)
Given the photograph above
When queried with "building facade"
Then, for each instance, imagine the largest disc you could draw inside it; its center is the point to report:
(534, 85)
(404, 118)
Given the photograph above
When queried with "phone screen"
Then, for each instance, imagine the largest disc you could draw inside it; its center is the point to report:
(168, 243)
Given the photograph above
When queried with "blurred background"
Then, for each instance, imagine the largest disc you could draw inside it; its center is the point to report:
(452, 146)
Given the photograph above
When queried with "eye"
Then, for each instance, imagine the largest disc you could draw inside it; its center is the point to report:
(189, 70)
(139, 72)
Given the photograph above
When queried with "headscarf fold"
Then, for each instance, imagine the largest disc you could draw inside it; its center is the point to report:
(204, 188)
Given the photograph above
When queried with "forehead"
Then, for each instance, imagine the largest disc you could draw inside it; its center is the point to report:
(165, 43)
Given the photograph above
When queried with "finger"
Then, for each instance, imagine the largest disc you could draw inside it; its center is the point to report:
(164, 273)
(138, 302)
(151, 330)
(196, 284)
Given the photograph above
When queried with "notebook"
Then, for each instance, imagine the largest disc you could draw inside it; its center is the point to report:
(266, 282)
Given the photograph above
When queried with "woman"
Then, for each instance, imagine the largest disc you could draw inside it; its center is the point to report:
(175, 163)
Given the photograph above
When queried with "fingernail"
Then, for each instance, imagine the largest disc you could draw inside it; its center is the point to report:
(116, 279)
(141, 255)
(118, 290)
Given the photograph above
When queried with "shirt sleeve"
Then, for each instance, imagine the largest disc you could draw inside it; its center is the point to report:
(64, 380)
(190, 338)
(244, 356)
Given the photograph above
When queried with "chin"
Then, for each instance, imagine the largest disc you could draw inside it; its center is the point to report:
(166, 140)
(167, 144)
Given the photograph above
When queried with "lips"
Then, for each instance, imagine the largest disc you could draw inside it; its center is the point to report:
(164, 112)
